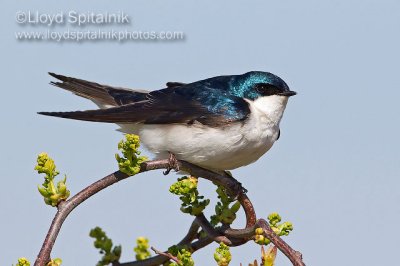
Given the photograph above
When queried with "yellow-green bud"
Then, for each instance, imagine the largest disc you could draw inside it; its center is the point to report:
(43, 191)
(268, 257)
(62, 188)
(54, 262)
(259, 231)
(23, 262)
(274, 218)
(259, 239)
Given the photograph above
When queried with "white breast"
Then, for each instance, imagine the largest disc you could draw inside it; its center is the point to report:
(224, 148)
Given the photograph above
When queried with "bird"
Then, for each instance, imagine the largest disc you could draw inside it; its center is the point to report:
(219, 123)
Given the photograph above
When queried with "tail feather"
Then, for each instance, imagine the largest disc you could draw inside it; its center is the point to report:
(102, 95)
(122, 114)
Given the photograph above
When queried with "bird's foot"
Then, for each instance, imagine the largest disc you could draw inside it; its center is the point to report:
(172, 164)
(237, 186)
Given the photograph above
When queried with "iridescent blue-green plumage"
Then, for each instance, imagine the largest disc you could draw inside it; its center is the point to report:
(215, 101)
(222, 96)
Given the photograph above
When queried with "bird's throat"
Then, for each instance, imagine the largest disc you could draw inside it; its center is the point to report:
(272, 106)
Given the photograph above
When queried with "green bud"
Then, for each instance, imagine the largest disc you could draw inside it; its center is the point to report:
(185, 258)
(274, 218)
(62, 188)
(141, 249)
(222, 255)
(54, 198)
(51, 188)
(105, 245)
(43, 191)
(192, 202)
(266, 241)
(48, 201)
(280, 229)
(23, 262)
(285, 228)
(130, 162)
(52, 195)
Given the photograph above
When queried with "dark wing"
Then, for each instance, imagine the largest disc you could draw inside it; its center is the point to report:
(173, 84)
(98, 93)
(182, 105)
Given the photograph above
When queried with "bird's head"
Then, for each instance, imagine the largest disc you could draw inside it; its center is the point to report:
(268, 92)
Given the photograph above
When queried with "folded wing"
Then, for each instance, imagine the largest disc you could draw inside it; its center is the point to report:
(180, 104)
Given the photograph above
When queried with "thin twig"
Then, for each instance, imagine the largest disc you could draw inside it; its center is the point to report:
(166, 254)
(210, 231)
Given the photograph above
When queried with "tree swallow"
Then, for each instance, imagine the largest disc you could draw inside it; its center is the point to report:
(219, 123)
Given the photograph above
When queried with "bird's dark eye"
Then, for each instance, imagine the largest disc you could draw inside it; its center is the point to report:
(266, 89)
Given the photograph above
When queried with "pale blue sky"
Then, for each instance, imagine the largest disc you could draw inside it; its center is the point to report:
(334, 172)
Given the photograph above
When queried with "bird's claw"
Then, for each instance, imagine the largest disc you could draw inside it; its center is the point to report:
(237, 186)
(172, 164)
(239, 189)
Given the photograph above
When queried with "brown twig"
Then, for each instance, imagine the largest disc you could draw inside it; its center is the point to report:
(166, 254)
(210, 231)
(227, 235)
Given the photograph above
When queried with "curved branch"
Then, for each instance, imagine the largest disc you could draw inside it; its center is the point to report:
(64, 208)
(230, 236)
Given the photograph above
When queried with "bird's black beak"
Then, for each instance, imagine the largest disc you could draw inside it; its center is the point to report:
(287, 93)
